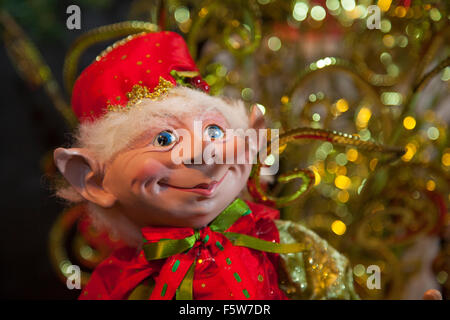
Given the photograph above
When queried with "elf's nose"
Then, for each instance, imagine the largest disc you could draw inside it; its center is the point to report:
(193, 151)
(209, 153)
(203, 158)
(202, 152)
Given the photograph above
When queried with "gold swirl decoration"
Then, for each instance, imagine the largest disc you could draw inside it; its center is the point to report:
(376, 253)
(58, 239)
(306, 175)
(74, 240)
(396, 217)
(239, 36)
(328, 66)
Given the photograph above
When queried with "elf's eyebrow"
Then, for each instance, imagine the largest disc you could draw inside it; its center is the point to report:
(215, 116)
(167, 121)
(171, 117)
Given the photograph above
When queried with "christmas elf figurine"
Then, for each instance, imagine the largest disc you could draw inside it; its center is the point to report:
(188, 234)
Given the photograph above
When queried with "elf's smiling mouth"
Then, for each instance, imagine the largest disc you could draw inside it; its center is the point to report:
(204, 189)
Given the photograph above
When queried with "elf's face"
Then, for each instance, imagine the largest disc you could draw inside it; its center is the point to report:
(156, 184)
(187, 161)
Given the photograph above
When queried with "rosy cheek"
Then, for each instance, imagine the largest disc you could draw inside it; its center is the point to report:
(148, 169)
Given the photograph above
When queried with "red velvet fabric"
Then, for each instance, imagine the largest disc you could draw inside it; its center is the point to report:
(215, 270)
(141, 60)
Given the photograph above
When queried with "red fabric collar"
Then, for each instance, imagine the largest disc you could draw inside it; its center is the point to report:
(231, 273)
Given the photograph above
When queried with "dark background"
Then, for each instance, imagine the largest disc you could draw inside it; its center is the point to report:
(31, 128)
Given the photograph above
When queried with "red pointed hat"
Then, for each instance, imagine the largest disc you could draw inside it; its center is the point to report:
(140, 66)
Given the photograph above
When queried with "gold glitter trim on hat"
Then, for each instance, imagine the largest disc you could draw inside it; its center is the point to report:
(119, 43)
(139, 92)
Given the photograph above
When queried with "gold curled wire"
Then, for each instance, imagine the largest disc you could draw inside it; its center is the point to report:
(436, 42)
(337, 65)
(97, 35)
(392, 231)
(57, 243)
(412, 97)
(422, 82)
(398, 197)
(385, 229)
(305, 114)
(307, 175)
(251, 11)
(376, 79)
(392, 276)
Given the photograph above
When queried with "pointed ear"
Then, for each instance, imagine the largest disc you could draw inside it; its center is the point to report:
(84, 173)
(257, 118)
(257, 122)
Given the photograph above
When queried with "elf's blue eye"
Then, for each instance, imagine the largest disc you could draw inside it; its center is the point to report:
(164, 139)
(214, 132)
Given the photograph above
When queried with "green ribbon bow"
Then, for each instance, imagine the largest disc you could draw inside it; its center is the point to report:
(169, 247)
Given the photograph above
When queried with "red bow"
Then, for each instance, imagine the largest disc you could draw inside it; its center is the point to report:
(220, 269)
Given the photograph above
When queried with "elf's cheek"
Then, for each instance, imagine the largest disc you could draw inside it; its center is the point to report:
(149, 171)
